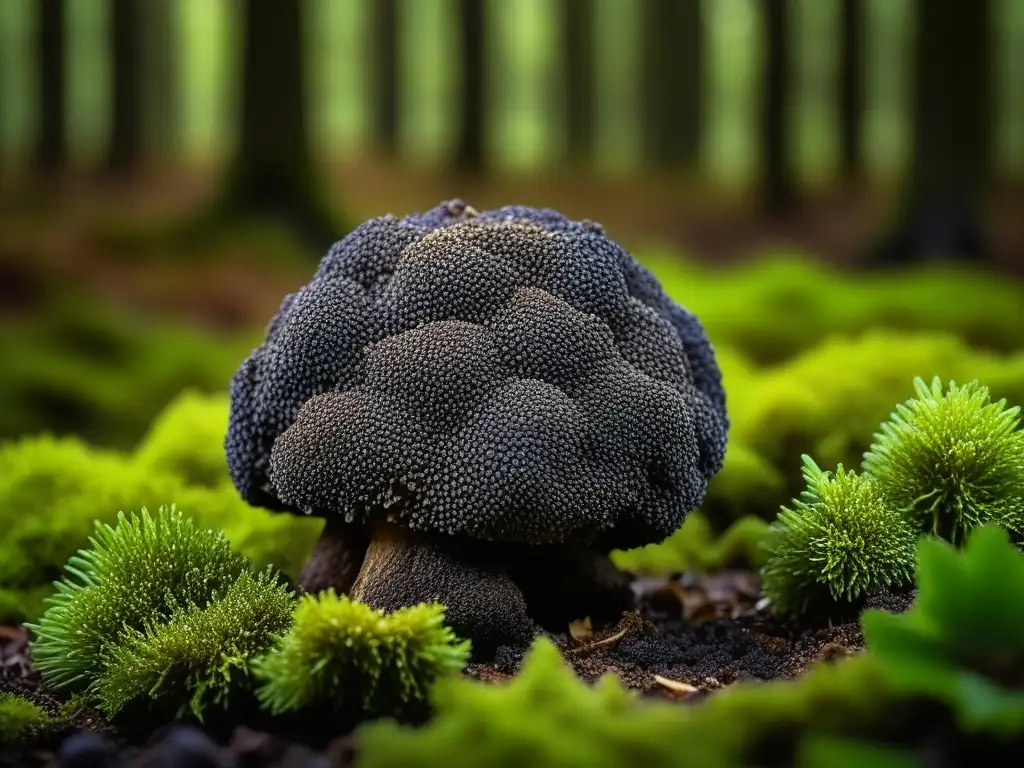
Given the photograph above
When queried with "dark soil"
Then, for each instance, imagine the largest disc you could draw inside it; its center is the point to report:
(689, 637)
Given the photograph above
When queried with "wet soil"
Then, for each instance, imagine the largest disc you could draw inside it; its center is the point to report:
(689, 637)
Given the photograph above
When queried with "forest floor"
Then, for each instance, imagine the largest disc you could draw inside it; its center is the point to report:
(106, 239)
(689, 637)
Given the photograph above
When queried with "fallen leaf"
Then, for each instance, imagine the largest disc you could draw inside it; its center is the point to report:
(676, 687)
(581, 629)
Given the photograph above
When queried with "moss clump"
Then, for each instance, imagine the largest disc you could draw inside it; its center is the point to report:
(820, 402)
(695, 548)
(187, 440)
(840, 542)
(52, 491)
(135, 573)
(20, 718)
(962, 643)
(951, 461)
(343, 654)
(201, 656)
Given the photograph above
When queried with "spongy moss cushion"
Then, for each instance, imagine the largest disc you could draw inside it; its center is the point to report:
(510, 375)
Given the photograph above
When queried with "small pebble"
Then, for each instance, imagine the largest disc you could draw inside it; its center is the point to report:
(86, 749)
(186, 747)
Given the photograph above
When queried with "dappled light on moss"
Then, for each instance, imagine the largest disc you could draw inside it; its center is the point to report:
(187, 440)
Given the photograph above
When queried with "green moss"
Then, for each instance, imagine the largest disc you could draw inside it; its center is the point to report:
(547, 717)
(187, 440)
(695, 548)
(343, 654)
(784, 303)
(951, 461)
(840, 542)
(827, 401)
(19, 718)
(52, 490)
(75, 367)
(202, 656)
(265, 538)
(746, 485)
(962, 643)
(134, 573)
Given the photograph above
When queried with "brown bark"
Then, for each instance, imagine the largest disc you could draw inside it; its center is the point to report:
(51, 146)
(384, 74)
(577, 29)
(671, 85)
(125, 150)
(778, 187)
(851, 88)
(470, 142)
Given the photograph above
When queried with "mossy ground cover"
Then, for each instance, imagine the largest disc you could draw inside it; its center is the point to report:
(703, 624)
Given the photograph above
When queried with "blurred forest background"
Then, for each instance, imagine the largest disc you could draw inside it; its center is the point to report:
(169, 169)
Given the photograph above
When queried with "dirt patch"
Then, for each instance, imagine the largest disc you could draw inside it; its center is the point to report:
(704, 633)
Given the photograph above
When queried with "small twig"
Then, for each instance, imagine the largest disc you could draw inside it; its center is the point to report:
(591, 647)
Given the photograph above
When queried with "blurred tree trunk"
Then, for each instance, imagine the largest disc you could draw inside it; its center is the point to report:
(578, 26)
(125, 150)
(384, 74)
(272, 174)
(51, 146)
(671, 83)
(162, 81)
(470, 143)
(778, 184)
(942, 207)
(851, 88)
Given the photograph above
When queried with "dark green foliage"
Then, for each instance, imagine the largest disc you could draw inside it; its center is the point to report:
(962, 642)
(840, 752)
(134, 573)
(19, 718)
(695, 548)
(951, 461)
(75, 367)
(343, 654)
(839, 543)
(201, 656)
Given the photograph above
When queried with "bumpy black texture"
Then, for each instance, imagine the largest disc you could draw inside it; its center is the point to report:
(508, 375)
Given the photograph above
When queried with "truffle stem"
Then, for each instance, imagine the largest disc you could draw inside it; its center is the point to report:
(337, 557)
(404, 568)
